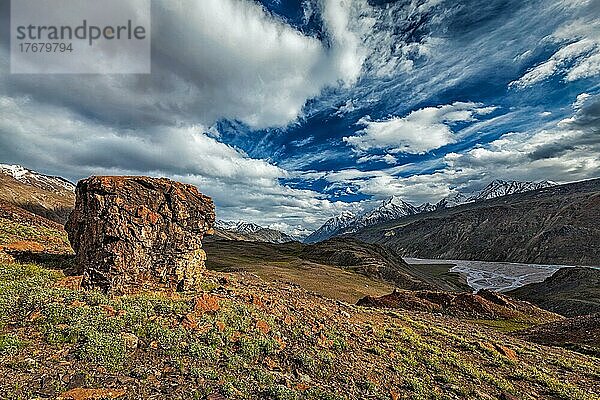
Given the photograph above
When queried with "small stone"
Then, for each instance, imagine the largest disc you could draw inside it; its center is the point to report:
(91, 394)
(131, 341)
(263, 326)
(505, 351)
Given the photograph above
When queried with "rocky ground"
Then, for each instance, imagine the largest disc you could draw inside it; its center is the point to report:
(239, 336)
(569, 292)
(244, 338)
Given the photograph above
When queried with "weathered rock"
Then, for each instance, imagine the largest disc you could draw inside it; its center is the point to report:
(139, 233)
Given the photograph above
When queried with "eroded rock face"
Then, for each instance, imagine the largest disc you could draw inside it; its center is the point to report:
(139, 233)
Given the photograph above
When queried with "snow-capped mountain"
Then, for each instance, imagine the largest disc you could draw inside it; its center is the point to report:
(347, 222)
(426, 207)
(452, 201)
(499, 188)
(496, 188)
(247, 231)
(390, 209)
(32, 178)
(331, 227)
(396, 208)
(47, 196)
(238, 226)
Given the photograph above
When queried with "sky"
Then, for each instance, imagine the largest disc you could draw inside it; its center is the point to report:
(290, 112)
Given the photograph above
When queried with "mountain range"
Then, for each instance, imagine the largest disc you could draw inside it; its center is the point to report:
(395, 208)
(553, 225)
(247, 231)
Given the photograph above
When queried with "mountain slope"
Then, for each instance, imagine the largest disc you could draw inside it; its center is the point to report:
(569, 292)
(46, 196)
(382, 263)
(395, 208)
(554, 225)
(243, 338)
(580, 334)
(340, 269)
(498, 188)
(331, 227)
(485, 305)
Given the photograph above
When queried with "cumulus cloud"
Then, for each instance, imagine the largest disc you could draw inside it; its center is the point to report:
(212, 60)
(58, 141)
(563, 151)
(418, 132)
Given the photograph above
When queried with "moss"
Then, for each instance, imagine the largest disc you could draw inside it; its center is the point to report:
(10, 344)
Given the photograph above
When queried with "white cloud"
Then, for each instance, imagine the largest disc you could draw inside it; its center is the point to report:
(418, 132)
(57, 141)
(564, 151)
(215, 59)
(577, 58)
(387, 158)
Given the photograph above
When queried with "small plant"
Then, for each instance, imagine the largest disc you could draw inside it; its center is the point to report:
(10, 344)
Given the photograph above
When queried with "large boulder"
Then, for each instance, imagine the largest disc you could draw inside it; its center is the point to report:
(139, 233)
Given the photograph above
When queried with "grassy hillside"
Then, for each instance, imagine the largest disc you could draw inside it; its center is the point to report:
(569, 292)
(345, 270)
(54, 205)
(248, 339)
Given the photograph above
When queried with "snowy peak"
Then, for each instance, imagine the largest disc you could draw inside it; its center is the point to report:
(331, 227)
(496, 188)
(248, 231)
(499, 188)
(40, 181)
(238, 226)
(426, 207)
(347, 222)
(395, 208)
(390, 209)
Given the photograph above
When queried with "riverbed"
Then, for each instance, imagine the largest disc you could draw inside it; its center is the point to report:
(498, 276)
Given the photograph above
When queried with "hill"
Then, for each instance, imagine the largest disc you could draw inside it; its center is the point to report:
(553, 225)
(485, 305)
(242, 337)
(578, 333)
(47, 196)
(569, 292)
(344, 270)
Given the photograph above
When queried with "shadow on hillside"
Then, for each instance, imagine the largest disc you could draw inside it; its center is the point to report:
(64, 262)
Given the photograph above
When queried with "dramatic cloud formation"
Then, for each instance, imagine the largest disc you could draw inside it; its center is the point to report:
(579, 54)
(420, 131)
(288, 113)
(564, 151)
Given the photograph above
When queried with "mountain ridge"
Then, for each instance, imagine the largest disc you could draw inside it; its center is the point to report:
(554, 225)
(395, 208)
(248, 231)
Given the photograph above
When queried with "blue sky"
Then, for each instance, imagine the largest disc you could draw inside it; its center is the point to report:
(289, 112)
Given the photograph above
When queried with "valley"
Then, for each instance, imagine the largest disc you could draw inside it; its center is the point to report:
(302, 318)
(498, 276)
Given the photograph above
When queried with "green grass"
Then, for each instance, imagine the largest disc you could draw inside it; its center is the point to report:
(504, 325)
(11, 231)
(229, 354)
